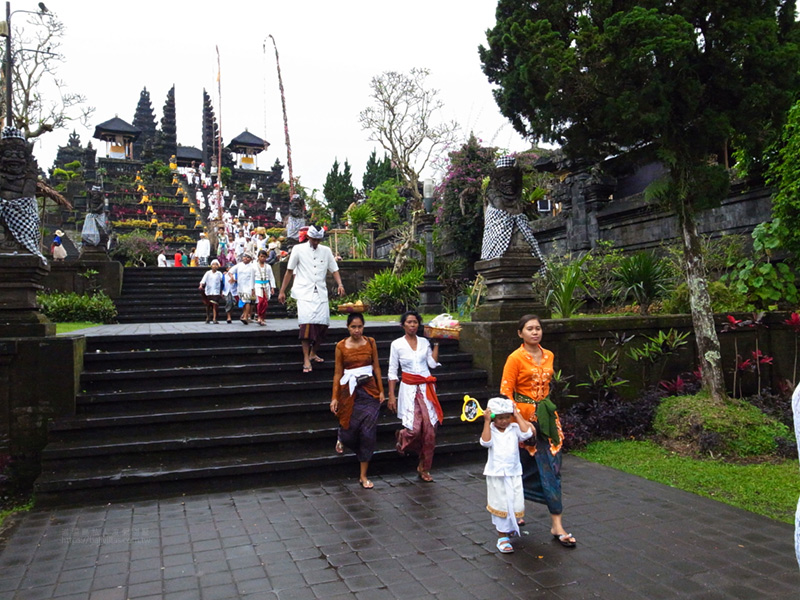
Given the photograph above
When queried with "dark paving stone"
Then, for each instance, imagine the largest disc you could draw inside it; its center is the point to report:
(406, 540)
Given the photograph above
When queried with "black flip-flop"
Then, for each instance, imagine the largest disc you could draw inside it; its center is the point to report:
(567, 540)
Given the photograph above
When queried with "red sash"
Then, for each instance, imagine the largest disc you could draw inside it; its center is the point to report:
(430, 390)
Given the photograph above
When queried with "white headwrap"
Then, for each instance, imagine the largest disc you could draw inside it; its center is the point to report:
(500, 406)
(315, 233)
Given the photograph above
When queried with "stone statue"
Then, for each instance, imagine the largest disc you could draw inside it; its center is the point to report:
(96, 227)
(18, 214)
(297, 218)
(506, 229)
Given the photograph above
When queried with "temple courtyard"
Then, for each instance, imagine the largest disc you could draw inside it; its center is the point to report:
(404, 539)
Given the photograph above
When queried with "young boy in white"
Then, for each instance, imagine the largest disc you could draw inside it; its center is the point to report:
(503, 470)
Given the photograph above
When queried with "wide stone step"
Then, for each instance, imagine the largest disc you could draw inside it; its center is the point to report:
(111, 401)
(97, 362)
(105, 480)
(130, 444)
(164, 414)
(289, 366)
(211, 409)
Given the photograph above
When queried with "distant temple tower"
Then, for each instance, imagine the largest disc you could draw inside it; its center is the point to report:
(145, 121)
(74, 151)
(118, 136)
(247, 147)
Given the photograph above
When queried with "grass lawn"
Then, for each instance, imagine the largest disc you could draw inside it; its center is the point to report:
(769, 489)
(67, 327)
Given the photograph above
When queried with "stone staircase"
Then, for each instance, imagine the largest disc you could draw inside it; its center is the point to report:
(169, 295)
(176, 413)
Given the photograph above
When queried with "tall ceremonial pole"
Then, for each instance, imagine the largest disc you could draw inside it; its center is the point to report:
(219, 130)
(285, 121)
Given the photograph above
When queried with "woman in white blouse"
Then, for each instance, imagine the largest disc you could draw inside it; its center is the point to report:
(416, 402)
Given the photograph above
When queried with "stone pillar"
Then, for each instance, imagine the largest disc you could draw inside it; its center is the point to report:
(430, 292)
(509, 289)
(21, 277)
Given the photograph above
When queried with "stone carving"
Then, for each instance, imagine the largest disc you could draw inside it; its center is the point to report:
(96, 227)
(18, 214)
(297, 214)
(506, 228)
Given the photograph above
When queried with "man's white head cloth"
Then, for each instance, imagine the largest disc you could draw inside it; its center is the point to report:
(315, 233)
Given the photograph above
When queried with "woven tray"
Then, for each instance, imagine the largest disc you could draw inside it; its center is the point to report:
(353, 309)
(442, 333)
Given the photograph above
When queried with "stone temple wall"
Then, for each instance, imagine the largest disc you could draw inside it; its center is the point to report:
(633, 224)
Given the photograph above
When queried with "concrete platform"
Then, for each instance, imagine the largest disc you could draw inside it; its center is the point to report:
(201, 327)
(402, 540)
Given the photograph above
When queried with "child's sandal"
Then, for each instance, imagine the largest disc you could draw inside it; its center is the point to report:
(504, 545)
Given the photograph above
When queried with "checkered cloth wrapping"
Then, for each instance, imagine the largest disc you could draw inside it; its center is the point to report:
(497, 230)
(293, 227)
(22, 221)
(505, 161)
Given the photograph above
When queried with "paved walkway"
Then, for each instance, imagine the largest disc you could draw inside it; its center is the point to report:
(402, 540)
(200, 327)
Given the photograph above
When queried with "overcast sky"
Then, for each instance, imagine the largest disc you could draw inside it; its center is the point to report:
(329, 52)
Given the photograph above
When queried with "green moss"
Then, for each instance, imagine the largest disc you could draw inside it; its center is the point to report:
(733, 428)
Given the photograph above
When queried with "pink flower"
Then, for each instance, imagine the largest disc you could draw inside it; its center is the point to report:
(794, 322)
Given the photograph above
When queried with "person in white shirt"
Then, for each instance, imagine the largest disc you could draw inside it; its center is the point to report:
(244, 273)
(230, 294)
(309, 265)
(416, 403)
(202, 250)
(503, 430)
(211, 285)
(162, 259)
(265, 286)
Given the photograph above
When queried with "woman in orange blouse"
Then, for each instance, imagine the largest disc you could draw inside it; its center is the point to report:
(526, 380)
(357, 394)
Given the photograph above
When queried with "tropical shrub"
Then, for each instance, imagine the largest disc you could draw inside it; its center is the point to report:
(565, 290)
(723, 299)
(644, 278)
(388, 293)
(759, 278)
(66, 307)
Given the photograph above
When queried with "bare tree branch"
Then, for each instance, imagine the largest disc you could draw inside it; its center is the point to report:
(402, 121)
(41, 101)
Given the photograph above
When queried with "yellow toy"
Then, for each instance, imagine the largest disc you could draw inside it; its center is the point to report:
(471, 409)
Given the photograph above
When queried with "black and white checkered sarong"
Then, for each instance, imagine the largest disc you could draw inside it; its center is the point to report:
(22, 222)
(498, 229)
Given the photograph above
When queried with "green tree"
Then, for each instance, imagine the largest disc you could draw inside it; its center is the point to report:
(784, 175)
(376, 172)
(385, 200)
(682, 78)
(338, 190)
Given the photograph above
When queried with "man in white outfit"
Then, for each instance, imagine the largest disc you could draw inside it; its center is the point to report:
(203, 250)
(309, 265)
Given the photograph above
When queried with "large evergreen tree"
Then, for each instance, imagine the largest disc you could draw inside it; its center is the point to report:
(167, 137)
(684, 78)
(377, 171)
(145, 121)
(338, 190)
